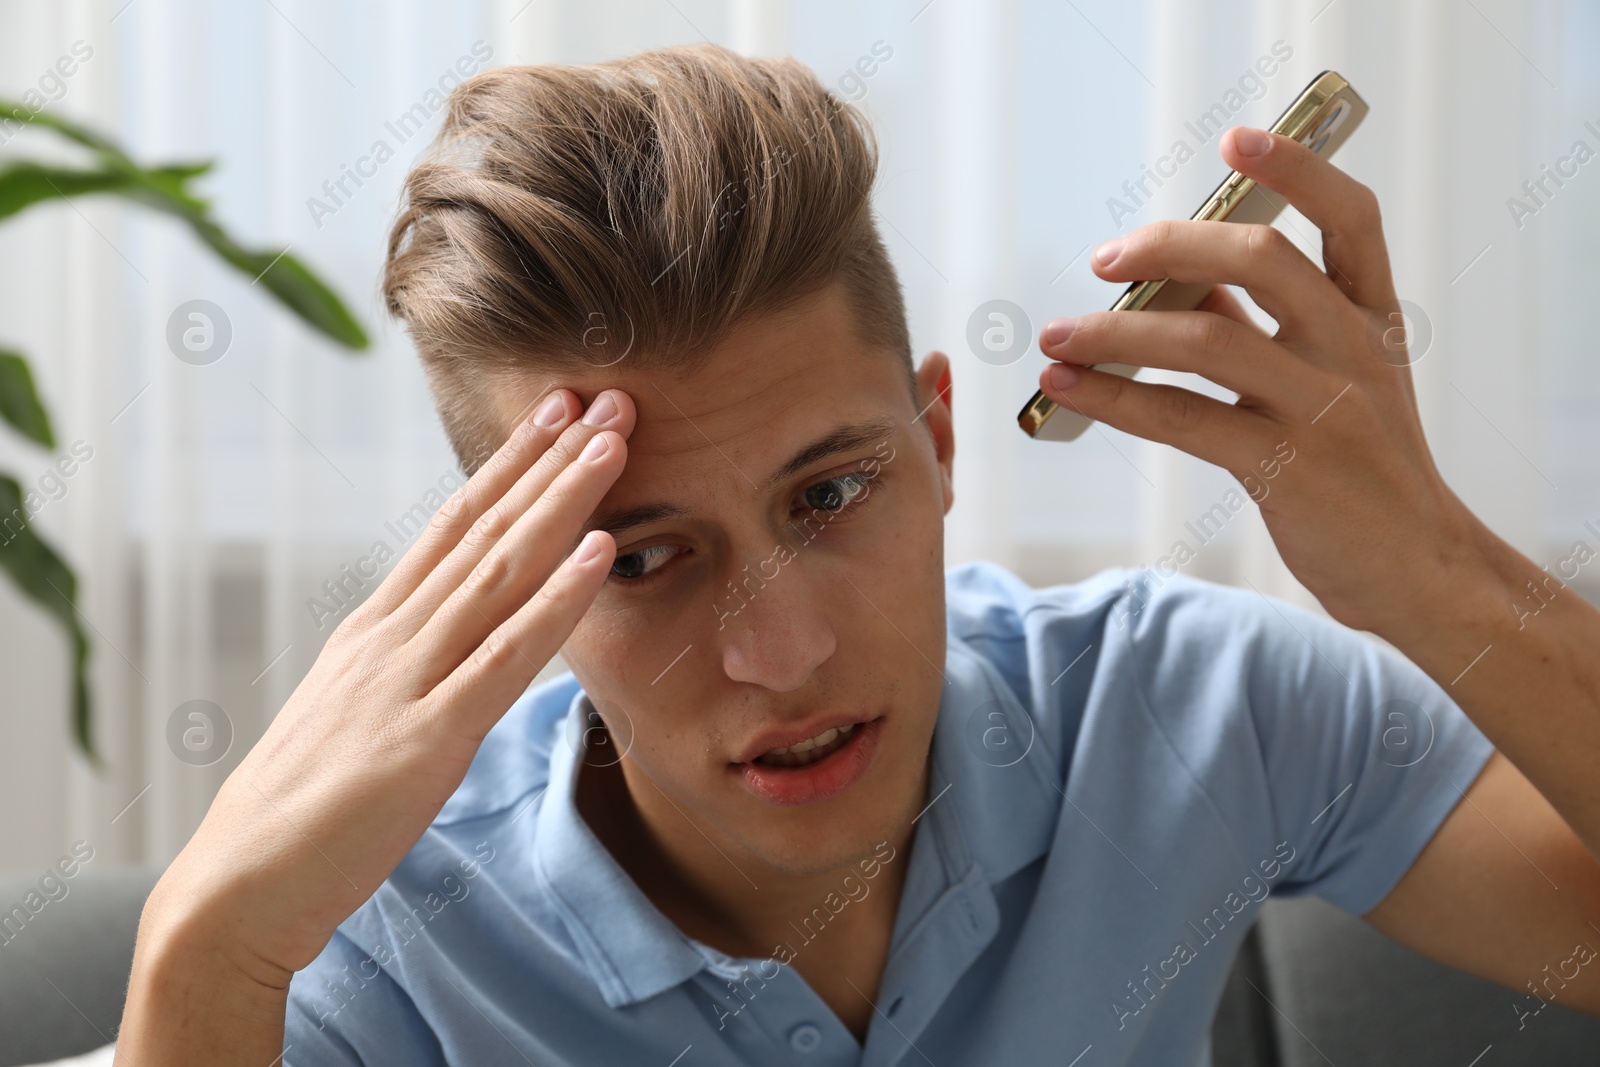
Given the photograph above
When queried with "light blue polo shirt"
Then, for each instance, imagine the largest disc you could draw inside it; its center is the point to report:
(1122, 770)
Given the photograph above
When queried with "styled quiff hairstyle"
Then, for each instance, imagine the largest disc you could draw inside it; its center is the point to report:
(635, 209)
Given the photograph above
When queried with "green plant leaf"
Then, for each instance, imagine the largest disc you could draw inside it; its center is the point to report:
(166, 189)
(45, 579)
(25, 184)
(276, 270)
(37, 570)
(19, 401)
(290, 281)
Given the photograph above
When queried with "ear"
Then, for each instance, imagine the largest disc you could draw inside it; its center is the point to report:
(933, 386)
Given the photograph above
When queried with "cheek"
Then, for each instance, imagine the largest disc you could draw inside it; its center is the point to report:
(625, 662)
(902, 571)
(904, 553)
(611, 647)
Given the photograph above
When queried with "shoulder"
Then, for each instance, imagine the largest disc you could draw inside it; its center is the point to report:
(1187, 640)
(985, 601)
(513, 763)
(1022, 631)
(1169, 624)
(1187, 625)
(1149, 642)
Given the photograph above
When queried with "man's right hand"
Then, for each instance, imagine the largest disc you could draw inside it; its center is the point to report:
(375, 739)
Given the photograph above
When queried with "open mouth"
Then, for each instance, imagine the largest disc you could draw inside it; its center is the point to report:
(813, 769)
(810, 750)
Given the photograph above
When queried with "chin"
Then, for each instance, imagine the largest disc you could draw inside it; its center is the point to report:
(808, 839)
(830, 850)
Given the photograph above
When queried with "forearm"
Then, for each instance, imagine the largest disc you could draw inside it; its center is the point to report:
(191, 1002)
(1519, 651)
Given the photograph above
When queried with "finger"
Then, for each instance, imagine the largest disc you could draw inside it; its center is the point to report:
(501, 515)
(521, 561)
(1221, 301)
(531, 438)
(1234, 355)
(1208, 429)
(503, 665)
(1258, 259)
(1353, 248)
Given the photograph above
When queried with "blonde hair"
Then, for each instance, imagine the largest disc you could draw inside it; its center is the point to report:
(642, 205)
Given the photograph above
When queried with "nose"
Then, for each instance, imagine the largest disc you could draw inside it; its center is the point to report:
(773, 631)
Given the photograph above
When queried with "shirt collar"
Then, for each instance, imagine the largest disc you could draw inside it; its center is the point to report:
(989, 806)
(629, 948)
(994, 782)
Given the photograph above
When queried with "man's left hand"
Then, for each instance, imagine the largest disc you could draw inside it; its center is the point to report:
(1358, 510)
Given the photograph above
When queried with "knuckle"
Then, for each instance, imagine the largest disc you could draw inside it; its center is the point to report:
(1163, 230)
(559, 597)
(559, 456)
(494, 652)
(1098, 328)
(1264, 240)
(453, 515)
(1115, 387)
(569, 445)
(359, 633)
(353, 626)
(1365, 209)
(1177, 410)
(492, 573)
(1211, 335)
(492, 525)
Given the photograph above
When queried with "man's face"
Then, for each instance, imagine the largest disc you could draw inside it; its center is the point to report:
(787, 591)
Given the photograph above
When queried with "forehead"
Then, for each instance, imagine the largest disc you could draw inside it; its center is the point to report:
(774, 384)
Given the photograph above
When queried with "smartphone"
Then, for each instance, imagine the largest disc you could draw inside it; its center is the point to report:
(1324, 114)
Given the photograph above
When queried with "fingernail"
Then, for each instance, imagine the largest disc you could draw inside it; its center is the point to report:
(589, 547)
(1107, 252)
(1057, 331)
(1251, 142)
(1063, 376)
(597, 447)
(602, 411)
(550, 412)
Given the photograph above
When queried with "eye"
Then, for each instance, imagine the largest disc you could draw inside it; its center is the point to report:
(836, 494)
(635, 566)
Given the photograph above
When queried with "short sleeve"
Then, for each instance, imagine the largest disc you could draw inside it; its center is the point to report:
(346, 1011)
(1357, 753)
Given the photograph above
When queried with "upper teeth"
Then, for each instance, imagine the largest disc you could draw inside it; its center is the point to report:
(824, 738)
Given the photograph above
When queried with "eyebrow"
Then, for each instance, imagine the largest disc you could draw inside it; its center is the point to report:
(840, 439)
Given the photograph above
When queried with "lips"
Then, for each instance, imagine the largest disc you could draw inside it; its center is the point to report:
(809, 751)
(791, 736)
(816, 772)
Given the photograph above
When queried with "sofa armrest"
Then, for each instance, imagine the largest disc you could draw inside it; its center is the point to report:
(64, 962)
(1343, 992)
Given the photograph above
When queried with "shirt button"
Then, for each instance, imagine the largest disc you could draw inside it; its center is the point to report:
(805, 1037)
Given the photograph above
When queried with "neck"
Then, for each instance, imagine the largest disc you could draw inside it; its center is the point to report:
(729, 898)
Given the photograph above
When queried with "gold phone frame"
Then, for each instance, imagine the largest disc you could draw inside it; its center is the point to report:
(1322, 117)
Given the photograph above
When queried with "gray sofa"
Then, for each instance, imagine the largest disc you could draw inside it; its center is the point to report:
(64, 974)
(1312, 987)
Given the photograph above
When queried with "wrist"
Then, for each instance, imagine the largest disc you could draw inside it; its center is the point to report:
(190, 925)
(193, 998)
(1467, 591)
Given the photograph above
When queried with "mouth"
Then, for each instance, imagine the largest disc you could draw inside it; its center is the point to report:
(811, 750)
(813, 768)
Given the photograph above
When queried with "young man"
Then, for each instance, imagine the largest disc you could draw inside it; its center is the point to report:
(804, 797)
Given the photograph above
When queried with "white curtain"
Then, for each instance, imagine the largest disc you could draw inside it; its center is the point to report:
(220, 498)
